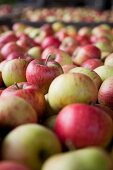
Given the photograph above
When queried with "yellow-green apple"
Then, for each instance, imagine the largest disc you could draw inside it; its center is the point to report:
(57, 26)
(35, 52)
(12, 165)
(68, 45)
(15, 111)
(31, 93)
(35, 143)
(92, 74)
(71, 88)
(50, 41)
(86, 52)
(83, 125)
(18, 28)
(104, 71)
(60, 56)
(91, 158)
(6, 37)
(42, 72)
(105, 93)
(92, 63)
(109, 60)
(14, 71)
(9, 48)
(84, 31)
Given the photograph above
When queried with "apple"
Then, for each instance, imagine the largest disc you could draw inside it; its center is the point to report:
(57, 26)
(61, 34)
(68, 45)
(92, 63)
(104, 71)
(35, 143)
(42, 72)
(84, 31)
(60, 56)
(86, 52)
(91, 158)
(109, 60)
(50, 122)
(105, 93)
(35, 52)
(9, 48)
(14, 71)
(83, 125)
(83, 40)
(92, 74)
(6, 37)
(15, 111)
(30, 93)
(11, 165)
(66, 68)
(18, 28)
(71, 88)
(15, 54)
(50, 41)
(47, 28)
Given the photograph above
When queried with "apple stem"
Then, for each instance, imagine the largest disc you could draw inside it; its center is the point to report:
(48, 57)
(16, 85)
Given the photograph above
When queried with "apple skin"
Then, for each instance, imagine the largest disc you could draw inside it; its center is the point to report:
(14, 71)
(11, 165)
(71, 88)
(31, 93)
(109, 60)
(50, 41)
(83, 125)
(92, 63)
(15, 54)
(35, 52)
(66, 68)
(34, 155)
(86, 52)
(60, 56)
(104, 71)
(105, 94)
(15, 111)
(91, 158)
(7, 37)
(92, 74)
(10, 48)
(42, 72)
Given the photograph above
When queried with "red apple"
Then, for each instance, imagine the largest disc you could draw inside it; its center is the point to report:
(50, 41)
(30, 93)
(47, 28)
(15, 54)
(92, 63)
(42, 72)
(86, 52)
(12, 165)
(83, 40)
(82, 125)
(9, 48)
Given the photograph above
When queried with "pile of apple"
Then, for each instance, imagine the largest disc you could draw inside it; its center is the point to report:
(56, 97)
(66, 14)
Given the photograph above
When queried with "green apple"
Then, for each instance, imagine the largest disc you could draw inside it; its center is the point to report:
(92, 74)
(14, 71)
(82, 159)
(104, 71)
(30, 145)
(71, 88)
(35, 52)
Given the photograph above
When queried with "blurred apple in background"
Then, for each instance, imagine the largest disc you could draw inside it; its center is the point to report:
(9, 48)
(35, 52)
(90, 73)
(91, 158)
(86, 52)
(31, 93)
(109, 60)
(14, 71)
(18, 28)
(84, 31)
(11, 165)
(35, 144)
(83, 40)
(83, 125)
(59, 56)
(42, 72)
(57, 26)
(50, 41)
(92, 63)
(104, 71)
(66, 68)
(71, 88)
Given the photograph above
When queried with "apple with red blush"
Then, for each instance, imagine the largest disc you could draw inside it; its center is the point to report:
(50, 41)
(92, 63)
(42, 72)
